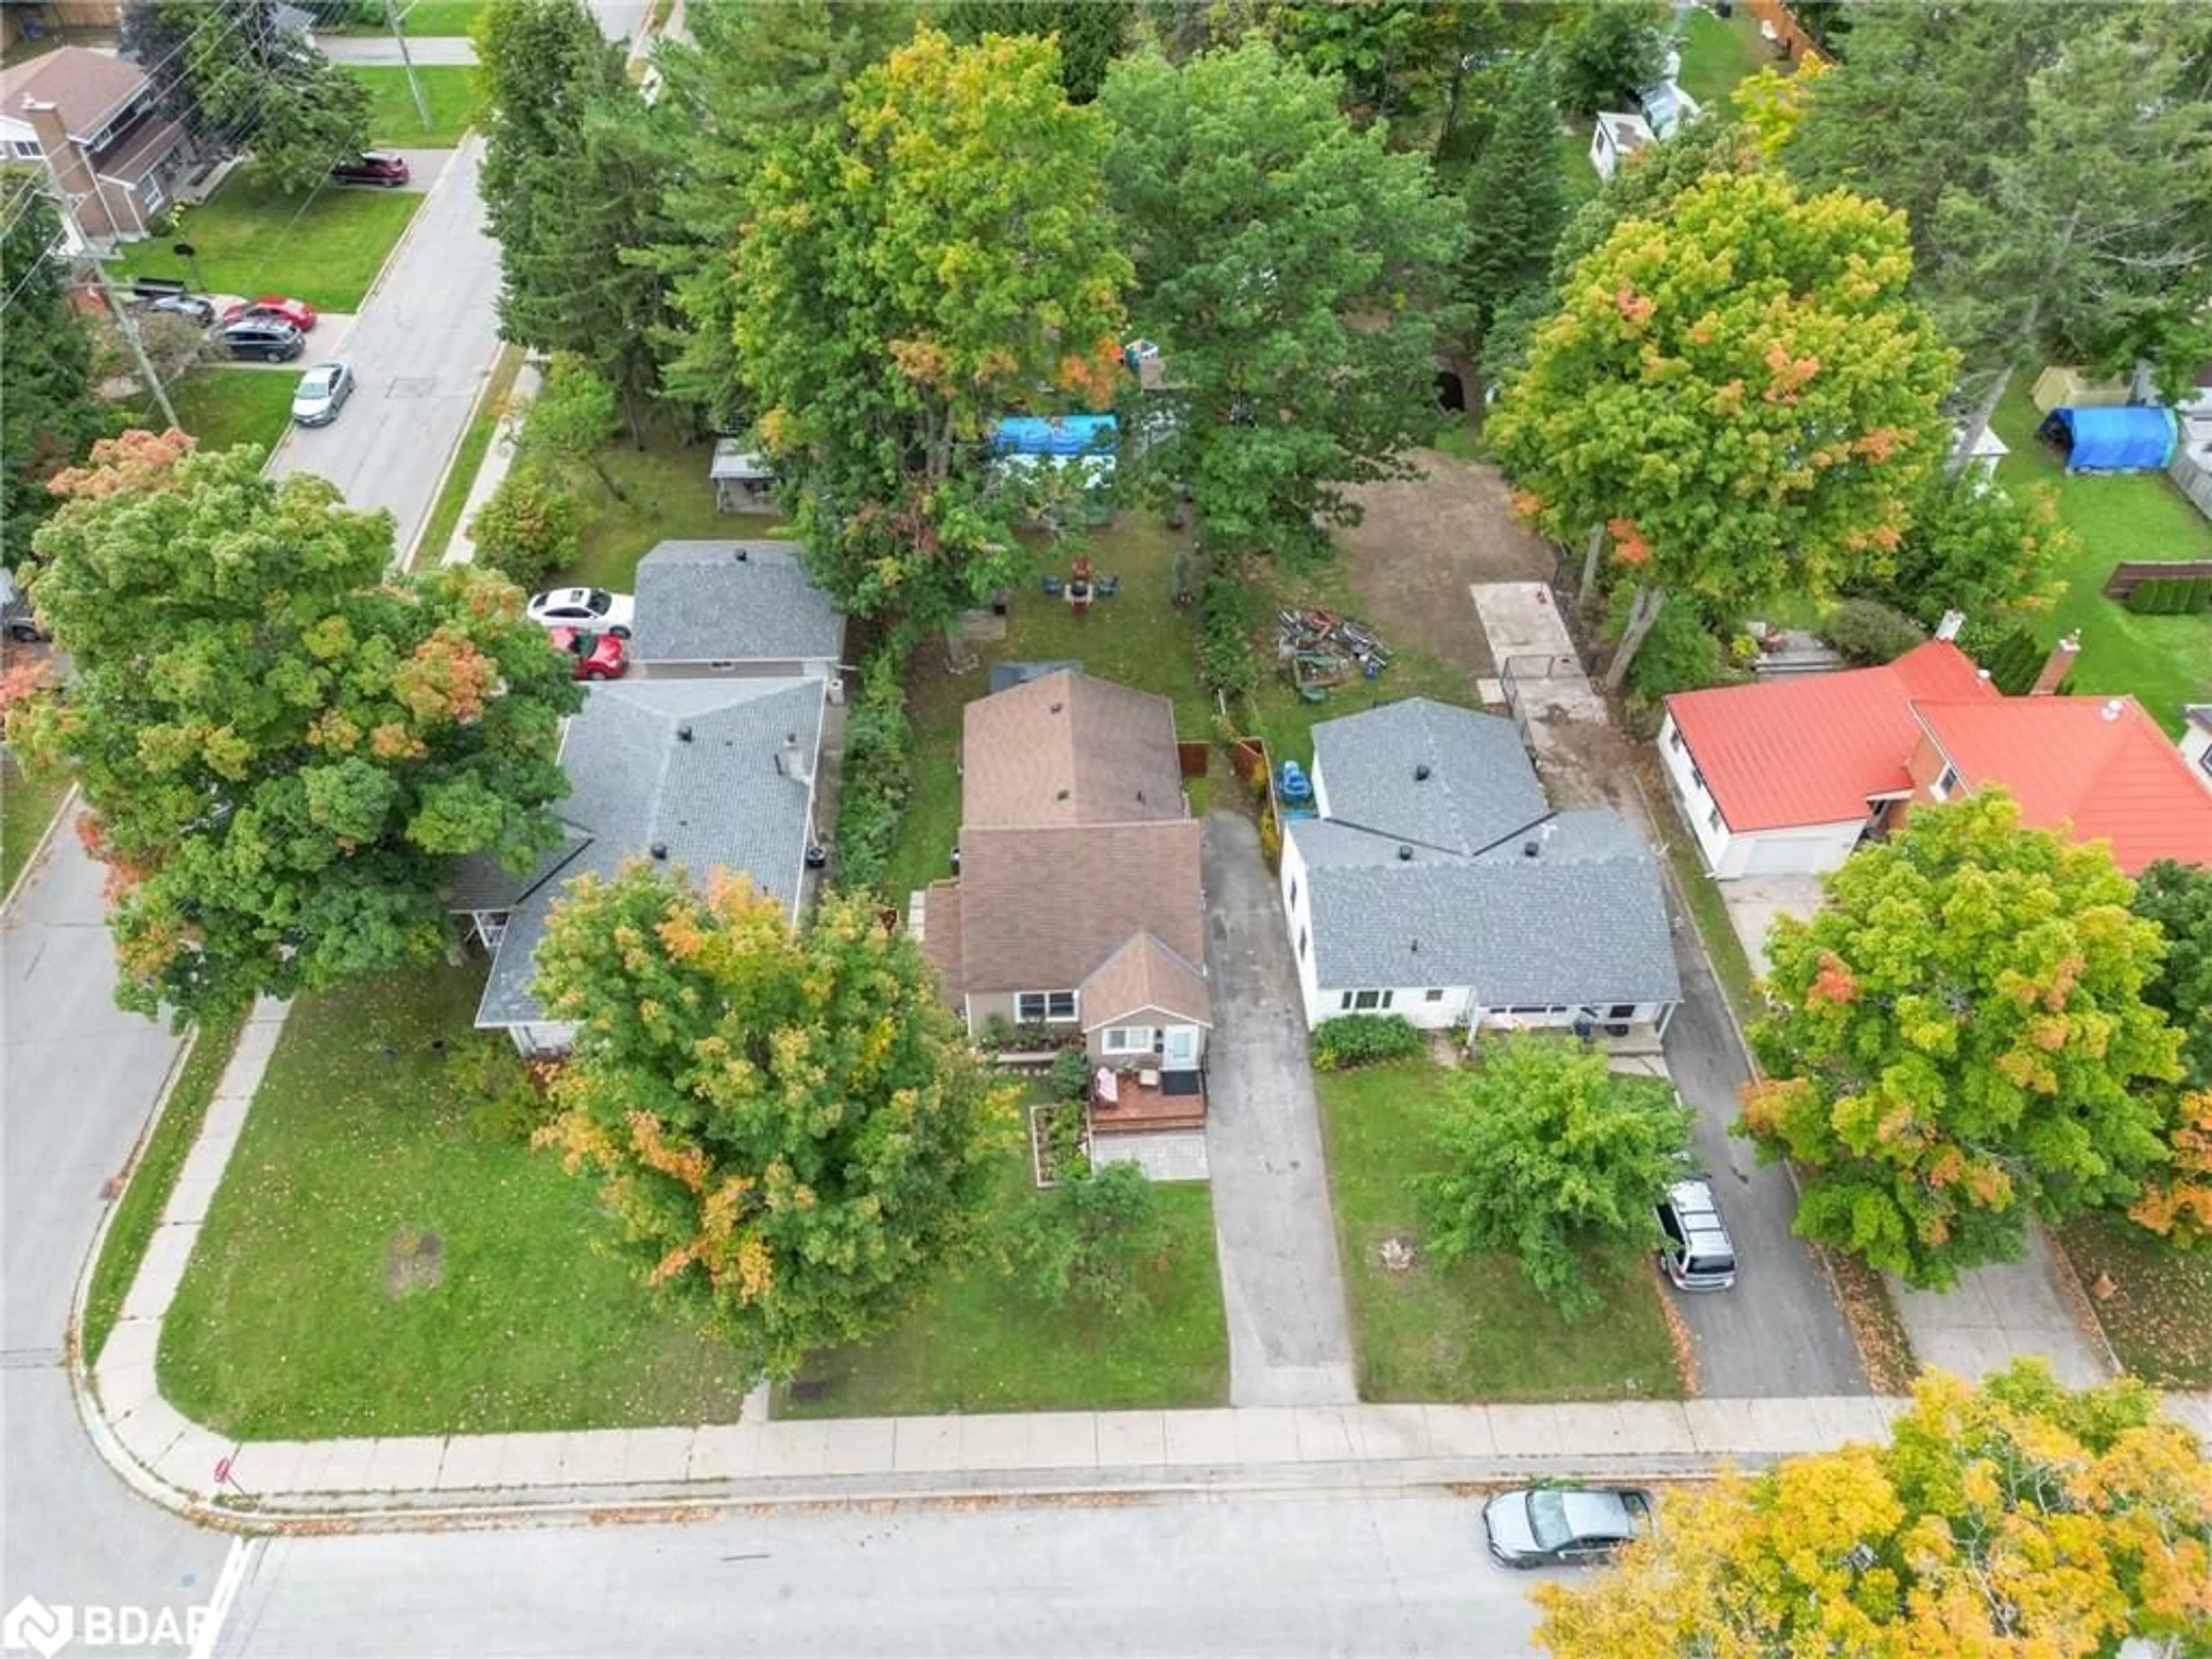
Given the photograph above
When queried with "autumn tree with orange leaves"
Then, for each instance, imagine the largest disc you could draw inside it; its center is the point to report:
(790, 1126)
(280, 743)
(1740, 392)
(1959, 1042)
(2014, 1521)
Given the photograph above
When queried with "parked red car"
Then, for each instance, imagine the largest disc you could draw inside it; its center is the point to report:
(298, 312)
(598, 656)
(373, 166)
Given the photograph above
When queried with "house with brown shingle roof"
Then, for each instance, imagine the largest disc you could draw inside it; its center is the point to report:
(93, 121)
(1077, 902)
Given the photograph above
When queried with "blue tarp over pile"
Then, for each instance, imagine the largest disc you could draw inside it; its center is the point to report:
(1060, 434)
(2130, 440)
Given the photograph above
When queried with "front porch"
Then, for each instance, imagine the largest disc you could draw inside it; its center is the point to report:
(1142, 1101)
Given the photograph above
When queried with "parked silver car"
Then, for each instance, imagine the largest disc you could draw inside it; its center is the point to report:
(322, 392)
(1694, 1247)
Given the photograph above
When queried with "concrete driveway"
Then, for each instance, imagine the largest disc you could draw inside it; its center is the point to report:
(2008, 1310)
(1290, 1332)
(1779, 1331)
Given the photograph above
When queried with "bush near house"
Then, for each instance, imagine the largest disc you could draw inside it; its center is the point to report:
(1868, 632)
(2171, 596)
(879, 771)
(1355, 1039)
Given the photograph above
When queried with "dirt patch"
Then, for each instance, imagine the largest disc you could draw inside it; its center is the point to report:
(1423, 540)
(415, 1261)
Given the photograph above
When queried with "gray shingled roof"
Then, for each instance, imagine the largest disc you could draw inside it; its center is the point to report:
(1481, 785)
(702, 602)
(1583, 921)
(1430, 881)
(717, 802)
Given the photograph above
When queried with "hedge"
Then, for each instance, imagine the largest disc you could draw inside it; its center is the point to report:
(1355, 1039)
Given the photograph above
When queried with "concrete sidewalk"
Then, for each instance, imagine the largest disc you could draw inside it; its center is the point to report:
(498, 460)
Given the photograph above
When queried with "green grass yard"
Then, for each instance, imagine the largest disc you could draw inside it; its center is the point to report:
(982, 1344)
(670, 499)
(301, 1317)
(325, 247)
(2163, 661)
(1718, 52)
(430, 19)
(153, 1178)
(1475, 1330)
(28, 801)
(224, 406)
(451, 90)
(1137, 637)
(2159, 1316)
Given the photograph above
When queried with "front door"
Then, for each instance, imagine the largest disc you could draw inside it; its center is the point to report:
(1179, 1047)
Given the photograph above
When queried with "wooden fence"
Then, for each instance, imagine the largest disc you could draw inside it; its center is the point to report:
(2130, 574)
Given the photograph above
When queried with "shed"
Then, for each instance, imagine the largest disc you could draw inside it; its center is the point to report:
(1617, 138)
(2137, 439)
(742, 477)
(2061, 387)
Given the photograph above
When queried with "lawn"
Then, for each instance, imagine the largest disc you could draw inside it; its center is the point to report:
(225, 406)
(670, 499)
(430, 19)
(1475, 1330)
(1583, 181)
(1718, 52)
(325, 247)
(456, 105)
(28, 801)
(984, 1345)
(468, 459)
(378, 1263)
(2159, 1317)
(1137, 637)
(2164, 661)
(153, 1178)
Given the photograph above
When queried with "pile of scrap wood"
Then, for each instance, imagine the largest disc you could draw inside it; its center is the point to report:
(1317, 649)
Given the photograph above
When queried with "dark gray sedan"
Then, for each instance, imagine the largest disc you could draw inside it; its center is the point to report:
(1564, 1526)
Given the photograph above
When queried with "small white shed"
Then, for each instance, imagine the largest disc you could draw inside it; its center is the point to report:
(743, 479)
(1618, 135)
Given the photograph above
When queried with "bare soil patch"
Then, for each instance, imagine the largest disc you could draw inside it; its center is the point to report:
(1422, 543)
(415, 1261)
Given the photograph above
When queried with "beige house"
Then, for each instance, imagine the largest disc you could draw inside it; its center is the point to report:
(1077, 901)
(90, 121)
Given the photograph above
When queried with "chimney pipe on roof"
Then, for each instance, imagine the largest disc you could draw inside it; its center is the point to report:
(660, 851)
(1405, 854)
(2058, 665)
(791, 761)
(1421, 772)
(2112, 710)
(683, 732)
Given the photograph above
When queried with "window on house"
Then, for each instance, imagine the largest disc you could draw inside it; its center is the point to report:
(1621, 1010)
(2205, 760)
(1129, 1040)
(1294, 892)
(1049, 1006)
(1945, 782)
(1713, 819)
(1674, 738)
(1432, 996)
(1302, 945)
(1698, 778)
(1362, 1002)
(156, 198)
(26, 149)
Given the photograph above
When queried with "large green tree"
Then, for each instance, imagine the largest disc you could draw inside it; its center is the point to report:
(1091, 33)
(2177, 899)
(573, 176)
(49, 414)
(1297, 274)
(934, 259)
(241, 78)
(1545, 1153)
(1516, 196)
(1959, 1041)
(1616, 49)
(2012, 1520)
(791, 1127)
(1988, 554)
(281, 742)
(748, 78)
(1743, 393)
(2055, 162)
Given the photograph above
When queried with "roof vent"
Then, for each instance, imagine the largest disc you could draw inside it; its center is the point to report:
(1421, 772)
(659, 850)
(1062, 795)
(742, 556)
(1529, 848)
(1405, 854)
(683, 732)
(2112, 710)
(1416, 947)
(1057, 707)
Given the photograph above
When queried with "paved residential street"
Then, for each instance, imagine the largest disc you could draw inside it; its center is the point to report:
(1780, 1331)
(1290, 1331)
(1250, 1576)
(80, 1078)
(422, 351)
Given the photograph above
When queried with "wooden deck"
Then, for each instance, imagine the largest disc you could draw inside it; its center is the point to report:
(1138, 1108)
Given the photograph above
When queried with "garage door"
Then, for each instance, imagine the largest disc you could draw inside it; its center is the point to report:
(1787, 855)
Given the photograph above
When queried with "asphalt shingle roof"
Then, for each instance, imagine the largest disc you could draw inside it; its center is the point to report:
(1479, 784)
(1433, 881)
(731, 602)
(715, 802)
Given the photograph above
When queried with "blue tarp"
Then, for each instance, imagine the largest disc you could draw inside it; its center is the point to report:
(1059, 434)
(2135, 439)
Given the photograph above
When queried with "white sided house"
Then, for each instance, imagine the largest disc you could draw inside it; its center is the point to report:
(1436, 883)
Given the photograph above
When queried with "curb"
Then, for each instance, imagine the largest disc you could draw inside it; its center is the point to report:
(38, 853)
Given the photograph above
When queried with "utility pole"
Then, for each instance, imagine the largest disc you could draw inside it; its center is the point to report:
(407, 58)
